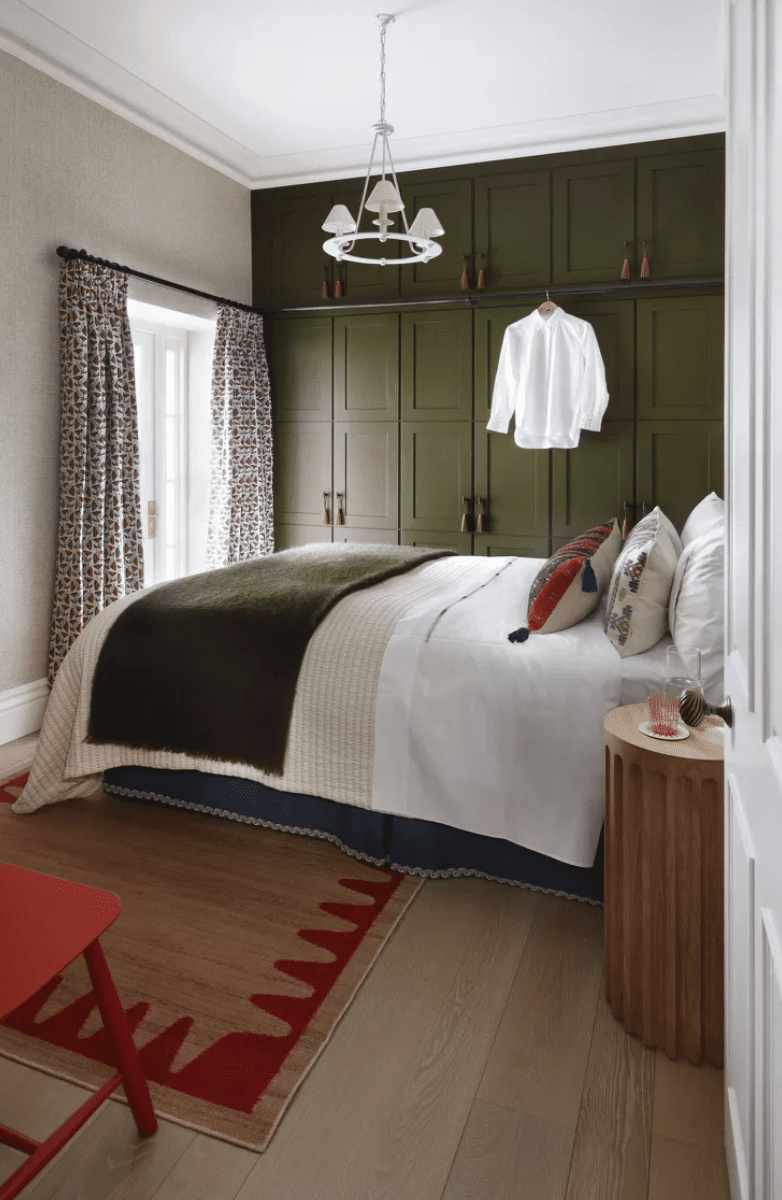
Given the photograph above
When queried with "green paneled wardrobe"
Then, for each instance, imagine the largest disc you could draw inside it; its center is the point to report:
(381, 397)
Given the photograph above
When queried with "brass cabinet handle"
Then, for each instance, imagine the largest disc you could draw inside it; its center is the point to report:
(479, 524)
(481, 280)
(338, 520)
(466, 501)
(326, 507)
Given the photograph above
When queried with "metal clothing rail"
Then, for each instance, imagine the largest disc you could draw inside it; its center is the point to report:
(535, 294)
(68, 254)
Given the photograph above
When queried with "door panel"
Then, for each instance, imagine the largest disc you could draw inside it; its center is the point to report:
(366, 473)
(591, 482)
(452, 202)
(513, 229)
(301, 369)
(490, 326)
(366, 367)
(614, 324)
(460, 542)
(437, 365)
(302, 472)
(677, 464)
(594, 214)
(436, 474)
(388, 537)
(517, 547)
(514, 482)
(680, 358)
(681, 213)
(297, 253)
(288, 536)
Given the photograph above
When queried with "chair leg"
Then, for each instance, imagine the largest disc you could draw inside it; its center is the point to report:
(116, 1026)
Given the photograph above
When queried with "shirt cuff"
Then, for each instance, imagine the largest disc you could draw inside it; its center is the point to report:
(497, 425)
(592, 423)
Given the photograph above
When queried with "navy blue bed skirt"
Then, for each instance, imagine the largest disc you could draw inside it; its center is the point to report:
(402, 843)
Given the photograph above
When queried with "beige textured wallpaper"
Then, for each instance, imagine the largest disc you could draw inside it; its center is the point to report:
(73, 173)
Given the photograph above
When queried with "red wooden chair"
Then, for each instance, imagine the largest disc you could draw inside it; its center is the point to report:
(45, 923)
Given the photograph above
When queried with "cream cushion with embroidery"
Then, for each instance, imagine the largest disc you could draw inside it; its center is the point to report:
(640, 588)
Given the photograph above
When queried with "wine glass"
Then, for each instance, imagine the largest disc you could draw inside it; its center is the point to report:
(682, 670)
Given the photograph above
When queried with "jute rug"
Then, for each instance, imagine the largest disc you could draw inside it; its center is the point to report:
(237, 952)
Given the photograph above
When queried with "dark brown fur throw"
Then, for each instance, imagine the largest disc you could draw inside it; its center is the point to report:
(208, 665)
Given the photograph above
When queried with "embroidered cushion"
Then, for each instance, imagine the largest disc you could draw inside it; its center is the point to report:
(695, 610)
(704, 517)
(569, 585)
(640, 588)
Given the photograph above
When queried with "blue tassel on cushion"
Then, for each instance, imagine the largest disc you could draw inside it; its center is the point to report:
(519, 635)
(588, 578)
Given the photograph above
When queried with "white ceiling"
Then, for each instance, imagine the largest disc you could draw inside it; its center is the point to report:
(282, 91)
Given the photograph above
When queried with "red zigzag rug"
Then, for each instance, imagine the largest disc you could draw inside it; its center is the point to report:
(237, 952)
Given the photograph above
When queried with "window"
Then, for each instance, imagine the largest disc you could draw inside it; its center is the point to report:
(173, 355)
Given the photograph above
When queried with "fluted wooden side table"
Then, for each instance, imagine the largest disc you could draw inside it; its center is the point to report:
(663, 885)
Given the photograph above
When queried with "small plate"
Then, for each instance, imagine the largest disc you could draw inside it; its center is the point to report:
(683, 733)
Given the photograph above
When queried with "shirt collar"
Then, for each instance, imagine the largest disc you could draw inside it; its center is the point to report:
(550, 320)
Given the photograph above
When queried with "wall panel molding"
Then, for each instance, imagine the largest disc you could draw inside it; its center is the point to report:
(22, 709)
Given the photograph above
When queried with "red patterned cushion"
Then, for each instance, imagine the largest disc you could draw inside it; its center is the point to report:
(569, 585)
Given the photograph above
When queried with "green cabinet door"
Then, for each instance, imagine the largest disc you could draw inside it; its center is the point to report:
(680, 358)
(451, 200)
(434, 539)
(365, 281)
(436, 360)
(681, 213)
(513, 229)
(297, 255)
(288, 536)
(300, 361)
(436, 475)
(591, 483)
(302, 472)
(593, 209)
(366, 367)
(614, 324)
(490, 326)
(386, 537)
(514, 485)
(678, 463)
(366, 473)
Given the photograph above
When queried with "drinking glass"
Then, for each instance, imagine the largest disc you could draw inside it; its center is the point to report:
(682, 670)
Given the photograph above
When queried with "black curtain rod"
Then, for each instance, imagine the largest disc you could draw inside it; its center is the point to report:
(539, 293)
(68, 254)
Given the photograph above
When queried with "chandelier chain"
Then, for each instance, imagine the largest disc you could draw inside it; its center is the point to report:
(383, 71)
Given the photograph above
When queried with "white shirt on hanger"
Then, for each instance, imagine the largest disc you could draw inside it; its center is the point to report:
(551, 375)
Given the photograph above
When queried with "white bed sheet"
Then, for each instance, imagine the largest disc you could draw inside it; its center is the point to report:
(496, 737)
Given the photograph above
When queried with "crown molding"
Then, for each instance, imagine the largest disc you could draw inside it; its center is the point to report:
(51, 49)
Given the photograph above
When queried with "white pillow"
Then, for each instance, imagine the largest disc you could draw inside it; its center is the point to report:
(703, 518)
(697, 600)
(640, 587)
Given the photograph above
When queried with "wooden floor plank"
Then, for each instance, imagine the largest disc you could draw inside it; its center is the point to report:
(681, 1172)
(108, 1160)
(208, 1170)
(504, 1155)
(612, 1145)
(409, 1056)
(689, 1104)
(538, 1060)
(35, 1103)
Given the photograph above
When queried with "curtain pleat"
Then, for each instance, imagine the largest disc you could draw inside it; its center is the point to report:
(99, 547)
(241, 514)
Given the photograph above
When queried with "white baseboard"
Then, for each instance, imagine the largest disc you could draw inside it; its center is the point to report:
(737, 1168)
(22, 709)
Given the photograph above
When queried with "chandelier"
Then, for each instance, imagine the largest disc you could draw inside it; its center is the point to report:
(384, 199)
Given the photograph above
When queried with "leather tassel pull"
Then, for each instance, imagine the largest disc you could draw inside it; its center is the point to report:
(625, 523)
(644, 265)
(465, 505)
(324, 287)
(338, 288)
(481, 281)
(325, 508)
(338, 520)
(464, 282)
(479, 524)
(625, 266)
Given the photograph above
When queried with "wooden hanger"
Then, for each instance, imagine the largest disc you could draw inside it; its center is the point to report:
(548, 305)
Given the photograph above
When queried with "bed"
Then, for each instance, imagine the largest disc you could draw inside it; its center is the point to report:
(421, 737)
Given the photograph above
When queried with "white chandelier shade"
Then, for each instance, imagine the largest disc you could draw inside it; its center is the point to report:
(384, 199)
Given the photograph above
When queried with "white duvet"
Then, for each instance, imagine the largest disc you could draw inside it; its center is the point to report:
(412, 701)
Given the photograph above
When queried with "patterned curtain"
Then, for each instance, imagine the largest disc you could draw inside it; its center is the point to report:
(241, 519)
(99, 549)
